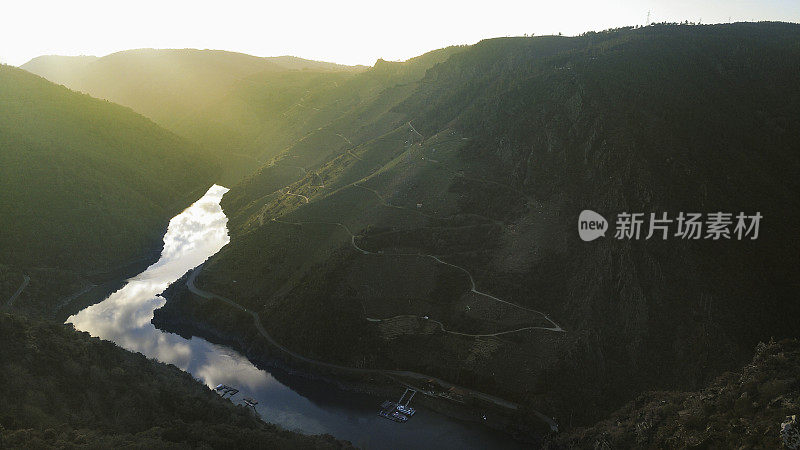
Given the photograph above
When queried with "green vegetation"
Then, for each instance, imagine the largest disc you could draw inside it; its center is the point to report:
(247, 109)
(62, 388)
(84, 184)
(438, 197)
(165, 85)
(484, 157)
(239, 106)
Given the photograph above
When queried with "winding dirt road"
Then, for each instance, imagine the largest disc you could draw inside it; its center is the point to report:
(19, 291)
(473, 288)
(288, 192)
(190, 283)
(458, 333)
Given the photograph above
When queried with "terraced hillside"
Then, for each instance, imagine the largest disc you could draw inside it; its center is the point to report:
(436, 231)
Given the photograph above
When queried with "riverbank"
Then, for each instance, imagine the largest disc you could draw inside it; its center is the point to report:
(99, 284)
(189, 315)
(64, 389)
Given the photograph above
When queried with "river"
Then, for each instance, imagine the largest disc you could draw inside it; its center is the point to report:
(295, 403)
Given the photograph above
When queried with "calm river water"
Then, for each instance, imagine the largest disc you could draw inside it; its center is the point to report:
(292, 402)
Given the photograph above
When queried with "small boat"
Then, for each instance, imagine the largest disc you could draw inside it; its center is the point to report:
(406, 410)
(394, 415)
(399, 416)
(225, 390)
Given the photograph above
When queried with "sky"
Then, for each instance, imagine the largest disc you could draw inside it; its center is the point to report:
(343, 31)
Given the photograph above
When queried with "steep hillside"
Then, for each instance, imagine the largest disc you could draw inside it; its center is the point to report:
(443, 238)
(741, 409)
(246, 109)
(322, 117)
(163, 85)
(85, 184)
(72, 390)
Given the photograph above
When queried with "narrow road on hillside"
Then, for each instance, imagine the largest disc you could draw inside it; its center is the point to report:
(473, 288)
(190, 283)
(346, 140)
(66, 300)
(321, 181)
(19, 291)
(350, 150)
(390, 373)
(288, 192)
(458, 333)
(415, 130)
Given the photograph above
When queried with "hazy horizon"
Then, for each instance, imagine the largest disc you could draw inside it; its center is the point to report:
(336, 32)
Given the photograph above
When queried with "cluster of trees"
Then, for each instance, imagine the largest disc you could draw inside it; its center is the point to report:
(64, 388)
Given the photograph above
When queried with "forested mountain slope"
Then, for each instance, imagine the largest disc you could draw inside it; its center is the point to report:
(441, 235)
(164, 85)
(85, 184)
(244, 109)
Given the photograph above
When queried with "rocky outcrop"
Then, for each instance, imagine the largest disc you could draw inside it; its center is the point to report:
(738, 410)
(790, 432)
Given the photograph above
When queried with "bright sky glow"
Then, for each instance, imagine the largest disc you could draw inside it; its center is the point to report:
(345, 31)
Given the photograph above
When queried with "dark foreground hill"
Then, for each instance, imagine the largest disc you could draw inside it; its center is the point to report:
(441, 235)
(739, 409)
(65, 389)
(85, 185)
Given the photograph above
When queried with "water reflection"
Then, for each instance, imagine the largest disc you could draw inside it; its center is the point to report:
(294, 403)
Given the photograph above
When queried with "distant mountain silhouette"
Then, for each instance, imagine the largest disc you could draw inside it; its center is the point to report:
(187, 90)
(59, 69)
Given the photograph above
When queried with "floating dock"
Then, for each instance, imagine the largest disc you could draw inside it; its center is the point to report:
(389, 411)
(403, 407)
(250, 402)
(225, 390)
(398, 411)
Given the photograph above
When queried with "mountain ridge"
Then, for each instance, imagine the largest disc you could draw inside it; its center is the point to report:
(500, 146)
(68, 159)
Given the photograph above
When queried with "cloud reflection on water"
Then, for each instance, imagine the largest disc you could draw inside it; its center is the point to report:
(192, 236)
(124, 317)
